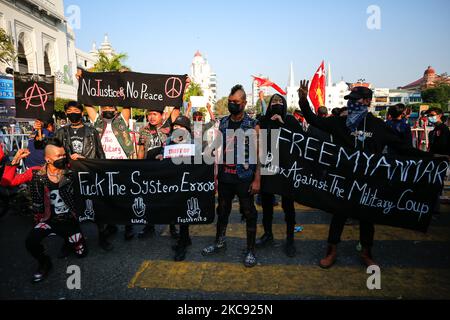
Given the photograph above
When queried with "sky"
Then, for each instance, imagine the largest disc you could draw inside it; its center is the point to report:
(241, 38)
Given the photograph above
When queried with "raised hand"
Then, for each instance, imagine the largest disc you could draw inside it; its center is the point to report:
(21, 154)
(304, 89)
(79, 74)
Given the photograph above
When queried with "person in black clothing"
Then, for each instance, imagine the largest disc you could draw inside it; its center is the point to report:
(152, 139)
(440, 136)
(276, 116)
(82, 142)
(54, 208)
(358, 130)
(181, 134)
(399, 124)
(237, 175)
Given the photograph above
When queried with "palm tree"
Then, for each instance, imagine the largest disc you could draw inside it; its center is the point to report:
(194, 90)
(7, 51)
(114, 63)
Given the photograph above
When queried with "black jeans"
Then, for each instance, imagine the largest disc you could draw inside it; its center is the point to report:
(184, 234)
(289, 214)
(69, 230)
(227, 192)
(366, 231)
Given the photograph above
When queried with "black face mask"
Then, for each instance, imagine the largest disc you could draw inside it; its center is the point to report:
(108, 114)
(277, 109)
(74, 117)
(234, 108)
(60, 164)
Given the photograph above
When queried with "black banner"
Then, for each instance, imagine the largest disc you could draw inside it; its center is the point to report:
(34, 95)
(131, 89)
(141, 192)
(400, 192)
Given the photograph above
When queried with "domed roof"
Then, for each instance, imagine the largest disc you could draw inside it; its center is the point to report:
(429, 71)
(198, 54)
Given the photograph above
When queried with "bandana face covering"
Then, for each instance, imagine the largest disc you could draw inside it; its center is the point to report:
(356, 113)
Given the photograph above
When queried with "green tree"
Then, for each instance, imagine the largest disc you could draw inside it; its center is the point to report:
(7, 51)
(194, 90)
(439, 94)
(114, 63)
(221, 107)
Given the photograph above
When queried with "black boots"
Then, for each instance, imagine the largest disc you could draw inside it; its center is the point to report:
(181, 249)
(147, 232)
(265, 240)
(173, 232)
(129, 233)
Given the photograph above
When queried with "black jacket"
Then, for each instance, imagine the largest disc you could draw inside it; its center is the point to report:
(377, 134)
(266, 123)
(440, 140)
(92, 145)
(40, 195)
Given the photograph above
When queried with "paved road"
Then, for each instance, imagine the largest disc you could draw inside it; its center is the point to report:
(413, 265)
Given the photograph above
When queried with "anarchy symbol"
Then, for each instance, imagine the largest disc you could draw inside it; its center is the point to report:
(36, 92)
(174, 87)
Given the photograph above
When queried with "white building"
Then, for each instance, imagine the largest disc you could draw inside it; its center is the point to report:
(404, 96)
(335, 93)
(380, 98)
(292, 91)
(44, 42)
(202, 74)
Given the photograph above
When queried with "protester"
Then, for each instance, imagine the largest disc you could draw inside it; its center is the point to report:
(362, 131)
(335, 112)
(399, 124)
(181, 134)
(276, 117)
(322, 112)
(113, 127)
(83, 142)
(36, 143)
(343, 112)
(440, 136)
(237, 178)
(152, 139)
(8, 171)
(53, 206)
(79, 140)
(199, 118)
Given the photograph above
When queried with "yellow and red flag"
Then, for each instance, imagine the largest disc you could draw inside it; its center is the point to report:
(317, 88)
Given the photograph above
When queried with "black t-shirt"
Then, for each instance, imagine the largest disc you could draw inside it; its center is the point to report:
(57, 204)
(77, 140)
(229, 171)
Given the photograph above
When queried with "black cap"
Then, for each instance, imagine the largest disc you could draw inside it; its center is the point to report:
(183, 122)
(359, 93)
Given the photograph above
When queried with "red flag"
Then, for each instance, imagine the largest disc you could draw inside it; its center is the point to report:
(267, 83)
(317, 88)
